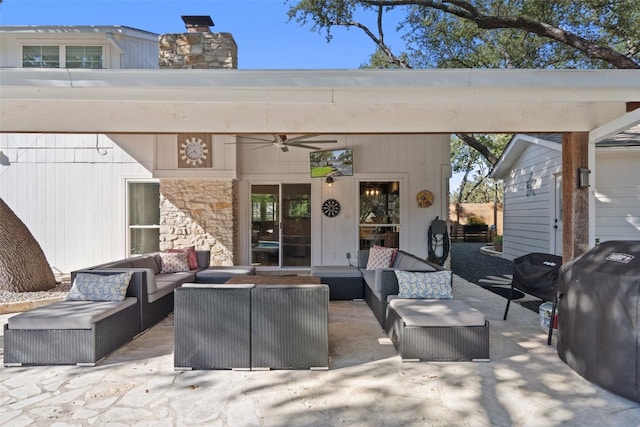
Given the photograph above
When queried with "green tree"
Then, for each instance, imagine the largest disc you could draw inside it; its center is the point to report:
(487, 34)
(475, 186)
(491, 33)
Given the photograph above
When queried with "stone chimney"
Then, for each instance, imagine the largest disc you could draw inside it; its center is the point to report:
(198, 24)
(198, 47)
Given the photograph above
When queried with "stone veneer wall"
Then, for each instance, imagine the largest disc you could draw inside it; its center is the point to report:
(200, 213)
(198, 50)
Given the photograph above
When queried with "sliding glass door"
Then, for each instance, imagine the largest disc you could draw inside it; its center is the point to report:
(281, 225)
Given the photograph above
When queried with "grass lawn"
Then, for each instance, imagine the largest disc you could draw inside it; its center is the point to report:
(321, 171)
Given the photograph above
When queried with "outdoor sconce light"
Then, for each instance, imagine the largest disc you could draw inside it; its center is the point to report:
(329, 180)
(583, 177)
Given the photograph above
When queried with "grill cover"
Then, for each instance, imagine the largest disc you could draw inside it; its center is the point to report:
(598, 314)
(537, 274)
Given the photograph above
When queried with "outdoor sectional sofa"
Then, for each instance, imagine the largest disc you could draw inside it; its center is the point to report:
(158, 287)
(423, 329)
(380, 283)
(74, 332)
(83, 332)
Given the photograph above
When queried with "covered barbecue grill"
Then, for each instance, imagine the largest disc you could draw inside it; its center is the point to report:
(536, 274)
(599, 312)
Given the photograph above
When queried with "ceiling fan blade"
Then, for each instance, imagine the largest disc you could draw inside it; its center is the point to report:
(306, 137)
(299, 138)
(325, 141)
(256, 139)
(310, 147)
(265, 142)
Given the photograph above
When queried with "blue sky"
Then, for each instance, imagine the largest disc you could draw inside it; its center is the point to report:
(265, 38)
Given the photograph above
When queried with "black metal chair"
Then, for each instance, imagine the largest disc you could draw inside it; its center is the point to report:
(537, 274)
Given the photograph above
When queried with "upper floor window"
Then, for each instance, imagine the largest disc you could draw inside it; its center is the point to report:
(62, 56)
(41, 56)
(84, 57)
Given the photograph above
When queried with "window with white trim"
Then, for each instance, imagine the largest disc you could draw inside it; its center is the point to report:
(144, 216)
(83, 57)
(62, 57)
(41, 56)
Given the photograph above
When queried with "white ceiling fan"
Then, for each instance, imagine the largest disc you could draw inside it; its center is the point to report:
(283, 142)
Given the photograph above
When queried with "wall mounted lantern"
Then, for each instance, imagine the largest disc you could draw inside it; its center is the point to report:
(583, 177)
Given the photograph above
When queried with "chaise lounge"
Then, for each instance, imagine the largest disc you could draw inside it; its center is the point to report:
(73, 331)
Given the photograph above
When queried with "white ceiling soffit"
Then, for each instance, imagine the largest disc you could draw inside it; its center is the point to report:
(313, 101)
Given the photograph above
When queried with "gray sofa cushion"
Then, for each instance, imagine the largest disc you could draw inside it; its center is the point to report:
(224, 271)
(117, 264)
(426, 312)
(147, 261)
(165, 283)
(406, 262)
(335, 271)
(68, 314)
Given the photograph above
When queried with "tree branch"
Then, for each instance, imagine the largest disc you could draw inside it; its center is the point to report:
(478, 146)
(466, 10)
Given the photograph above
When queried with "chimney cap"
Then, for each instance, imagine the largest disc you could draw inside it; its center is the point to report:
(197, 21)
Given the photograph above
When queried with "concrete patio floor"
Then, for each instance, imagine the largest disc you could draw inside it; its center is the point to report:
(524, 384)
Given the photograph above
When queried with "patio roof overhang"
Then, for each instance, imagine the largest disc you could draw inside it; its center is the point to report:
(317, 101)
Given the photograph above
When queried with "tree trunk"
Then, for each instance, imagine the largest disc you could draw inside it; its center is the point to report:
(23, 266)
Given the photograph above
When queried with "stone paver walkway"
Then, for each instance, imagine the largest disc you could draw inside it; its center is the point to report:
(525, 384)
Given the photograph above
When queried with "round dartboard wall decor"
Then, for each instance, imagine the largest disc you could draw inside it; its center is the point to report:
(331, 208)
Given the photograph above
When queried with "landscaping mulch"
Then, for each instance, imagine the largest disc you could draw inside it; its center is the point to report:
(468, 262)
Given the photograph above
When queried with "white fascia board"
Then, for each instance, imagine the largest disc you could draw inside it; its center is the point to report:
(75, 31)
(314, 101)
(615, 127)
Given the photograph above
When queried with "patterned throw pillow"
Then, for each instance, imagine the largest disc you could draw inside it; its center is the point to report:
(428, 285)
(380, 257)
(99, 287)
(173, 262)
(192, 257)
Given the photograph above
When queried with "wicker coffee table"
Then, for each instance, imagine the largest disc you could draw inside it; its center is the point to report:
(273, 280)
(289, 321)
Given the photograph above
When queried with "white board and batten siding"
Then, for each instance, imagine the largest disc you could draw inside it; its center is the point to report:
(418, 162)
(617, 194)
(70, 194)
(529, 196)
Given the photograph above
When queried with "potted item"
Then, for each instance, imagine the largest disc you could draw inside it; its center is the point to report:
(497, 243)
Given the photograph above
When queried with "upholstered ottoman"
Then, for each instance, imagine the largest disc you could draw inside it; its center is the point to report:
(212, 326)
(345, 282)
(437, 330)
(220, 274)
(70, 332)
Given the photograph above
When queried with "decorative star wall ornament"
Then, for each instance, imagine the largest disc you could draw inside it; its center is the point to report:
(530, 181)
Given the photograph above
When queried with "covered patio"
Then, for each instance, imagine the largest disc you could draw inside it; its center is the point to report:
(525, 383)
(585, 105)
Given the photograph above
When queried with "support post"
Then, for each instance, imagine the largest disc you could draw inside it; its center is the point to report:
(575, 199)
